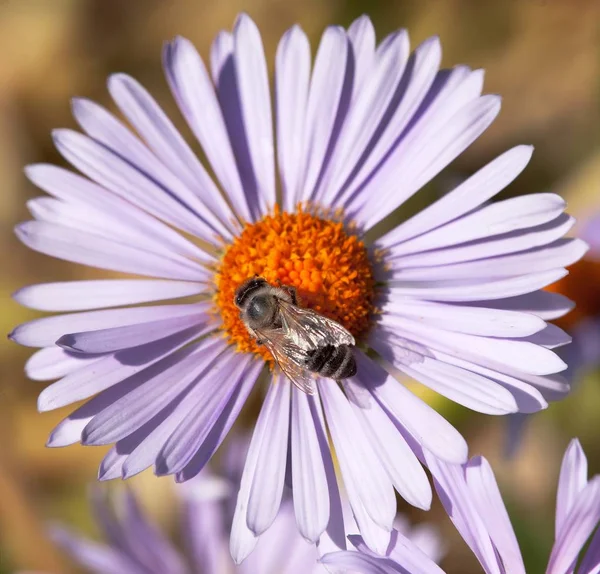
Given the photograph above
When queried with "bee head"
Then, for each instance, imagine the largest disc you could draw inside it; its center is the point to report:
(245, 290)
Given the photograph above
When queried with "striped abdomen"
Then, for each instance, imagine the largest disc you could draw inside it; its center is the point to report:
(334, 362)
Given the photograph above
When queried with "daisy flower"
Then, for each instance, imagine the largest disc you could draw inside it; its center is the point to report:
(451, 297)
(472, 499)
(135, 544)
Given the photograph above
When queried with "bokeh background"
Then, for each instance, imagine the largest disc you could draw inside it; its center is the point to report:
(543, 56)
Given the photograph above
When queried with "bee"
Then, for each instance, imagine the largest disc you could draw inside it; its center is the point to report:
(302, 342)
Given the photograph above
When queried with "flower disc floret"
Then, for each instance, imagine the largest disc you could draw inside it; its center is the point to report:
(328, 265)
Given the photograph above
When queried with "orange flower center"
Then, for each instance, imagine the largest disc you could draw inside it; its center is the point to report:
(329, 267)
(580, 285)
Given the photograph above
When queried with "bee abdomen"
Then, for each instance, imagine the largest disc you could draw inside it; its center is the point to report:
(335, 362)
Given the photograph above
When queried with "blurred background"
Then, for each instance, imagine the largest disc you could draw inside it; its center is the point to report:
(542, 56)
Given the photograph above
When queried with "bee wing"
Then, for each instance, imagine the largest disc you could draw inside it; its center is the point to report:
(309, 329)
(290, 359)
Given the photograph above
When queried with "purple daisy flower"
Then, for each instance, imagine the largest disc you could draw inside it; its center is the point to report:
(135, 544)
(472, 499)
(452, 297)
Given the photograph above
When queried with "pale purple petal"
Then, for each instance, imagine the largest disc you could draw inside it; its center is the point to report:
(362, 36)
(243, 540)
(451, 486)
(488, 501)
(112, 369)
(127, 213)
(230, 99)
(53, 362)
(123, 178)
(223, 423)
(145, 541)
(404, 553)
(464, 387)
(95, 557)
(255, 104)
(292, 75)
(495, 219)
(473, 320)
(208, 398)
(401, 464)
(44, 332)
(151, 390)
(162, 137)
(95, 251)
(522, 355)
(96, 294)
(325, 98)
(366, 480)
(544, 304)
(579, 524)
(99, 124)
(267, 484)
(422, 154)
(309, 481)
(203, 533)
(366, 113)
(419, 75)
(471, 193)
(560, 253)
(427, 426)
(524, 390)
(457, 290)
(196, 98)
(118, 338)
(591, 560)
(572, 480)
(281, 549)
(489, 246)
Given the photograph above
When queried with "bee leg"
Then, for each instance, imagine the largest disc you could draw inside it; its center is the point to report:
(259, 342)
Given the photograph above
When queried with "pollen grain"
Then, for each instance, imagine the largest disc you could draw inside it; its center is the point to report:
(329, 267)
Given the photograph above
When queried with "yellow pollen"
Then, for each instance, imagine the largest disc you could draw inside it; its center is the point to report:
(329, 267)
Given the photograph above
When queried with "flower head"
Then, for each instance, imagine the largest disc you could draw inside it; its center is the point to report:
(472, 499)
(452, 297)
(135, 544)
